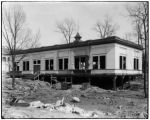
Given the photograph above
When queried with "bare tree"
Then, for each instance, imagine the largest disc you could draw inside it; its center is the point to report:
(128, 36)
(66, 28)
(16, 35)
(106, 28)
(138, 32)
(139, 16)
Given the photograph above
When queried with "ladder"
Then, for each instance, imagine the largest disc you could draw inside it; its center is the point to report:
(53, 79)
(36, 75)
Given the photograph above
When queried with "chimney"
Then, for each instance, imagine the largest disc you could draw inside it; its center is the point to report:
(77, 37)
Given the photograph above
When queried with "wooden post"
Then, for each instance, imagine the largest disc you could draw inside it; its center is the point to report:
(71, 79)
(65, 79)
(89, 81)
(122, 78)
(51, 79)
(129, 79)
(114, 82)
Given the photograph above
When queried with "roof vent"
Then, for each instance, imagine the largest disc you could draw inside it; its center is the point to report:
(77, 37)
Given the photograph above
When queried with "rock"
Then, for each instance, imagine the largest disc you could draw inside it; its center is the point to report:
(75, 99)
(21, 101)
(49, 106)
(59, 102)
(66, 109)
(94, 114)
(83, 95)
(37, 104)
(119, 107)
(78, 110)
(22, 104)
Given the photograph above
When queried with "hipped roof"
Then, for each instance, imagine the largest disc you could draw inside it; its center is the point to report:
(108, 40)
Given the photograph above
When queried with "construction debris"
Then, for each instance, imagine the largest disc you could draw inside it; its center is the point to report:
(75, 99)
(37, 104)
(60, 102)
(37, 99)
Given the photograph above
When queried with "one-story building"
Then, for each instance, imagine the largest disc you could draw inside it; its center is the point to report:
(110, 56)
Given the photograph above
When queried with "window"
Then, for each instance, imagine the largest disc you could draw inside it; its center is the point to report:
(16, 66)
(102, 62)
(37, 62)
(60, 64)
(136, 64)
(46, 64)
(65, 63)
(25, 65)
(99, 62)
(95, 62)
(4, 59)
(122, 62)
(34, 62)
(82, 63)
(49, 65)
(8, 59)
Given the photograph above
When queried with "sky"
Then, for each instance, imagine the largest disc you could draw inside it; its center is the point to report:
(44, 15)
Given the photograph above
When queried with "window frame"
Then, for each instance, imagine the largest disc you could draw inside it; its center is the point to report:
(26, 65)
(17, 67)
(96, 62)
(63, 63)
(136, 63)
(66, 64)
(99, 63)
(36, 62)
(49, 64)
(122, 62)
(4, 59)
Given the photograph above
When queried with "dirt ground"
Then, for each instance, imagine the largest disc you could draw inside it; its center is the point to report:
(129, 103)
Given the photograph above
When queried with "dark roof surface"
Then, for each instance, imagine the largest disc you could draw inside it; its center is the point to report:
(112, 39)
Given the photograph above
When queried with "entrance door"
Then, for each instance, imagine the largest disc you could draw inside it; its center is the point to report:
(36, 68)
(81, 62)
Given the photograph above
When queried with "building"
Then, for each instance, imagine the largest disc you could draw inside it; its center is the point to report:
(111, 56)
(5, 60)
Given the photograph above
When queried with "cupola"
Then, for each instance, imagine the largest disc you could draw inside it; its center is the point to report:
(77, 37)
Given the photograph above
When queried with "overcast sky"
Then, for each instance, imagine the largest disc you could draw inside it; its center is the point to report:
(43, 16)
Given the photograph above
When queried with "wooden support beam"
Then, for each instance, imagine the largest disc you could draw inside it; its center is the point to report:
(71, 79)
(51, 79)
(65, 79)
(114, 82)
(89, 80)
(122, 78)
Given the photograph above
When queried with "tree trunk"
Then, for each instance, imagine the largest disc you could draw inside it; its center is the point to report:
(145, 75)
(13, 72)
(146, 63)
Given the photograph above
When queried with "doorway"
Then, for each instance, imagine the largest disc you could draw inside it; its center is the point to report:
(36, 69)
(81, 62)
(36, 66)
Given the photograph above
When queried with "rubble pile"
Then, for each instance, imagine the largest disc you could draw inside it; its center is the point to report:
(23, 89)
(59, 106)
(39, 99)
